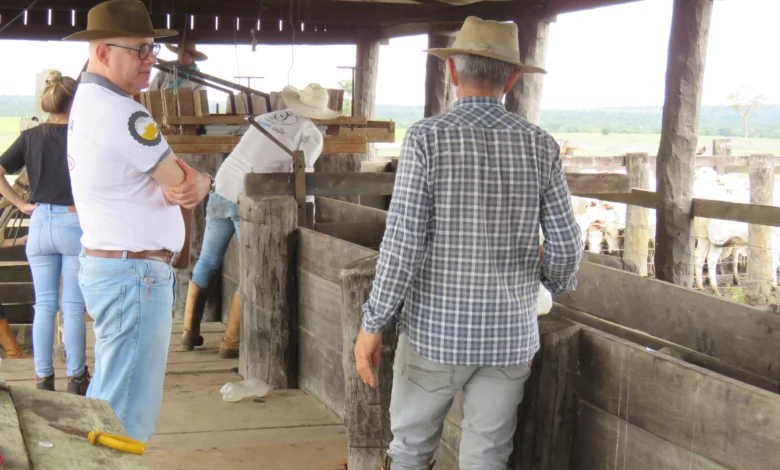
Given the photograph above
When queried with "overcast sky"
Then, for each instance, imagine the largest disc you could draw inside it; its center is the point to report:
(606, 57)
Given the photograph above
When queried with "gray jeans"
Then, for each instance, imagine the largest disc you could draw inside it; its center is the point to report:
(422, 395)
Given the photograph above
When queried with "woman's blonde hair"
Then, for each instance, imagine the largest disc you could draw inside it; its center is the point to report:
(58, 93)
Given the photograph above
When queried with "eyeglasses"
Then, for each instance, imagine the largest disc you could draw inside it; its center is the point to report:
(143, 50)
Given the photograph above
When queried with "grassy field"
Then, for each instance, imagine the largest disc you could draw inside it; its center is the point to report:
(9, 131)
(620, 144)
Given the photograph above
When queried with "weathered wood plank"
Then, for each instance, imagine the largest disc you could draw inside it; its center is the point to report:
(604, 441)
(367, 410)
(203, 139)
(340, 163)
(38, 408)
(679, 137)
(723, 210)
(351, 184)
(346, 120)
(731, 423)
(667, 347)
(19, 313)
(368, 234)
(203, 120)
(737, 334)
(17, 292)
(320, 343)
(546, 416)
(12, 446)
(325, 256)
(15, 271)
(202, 148)
(269, 329)
(331, 210)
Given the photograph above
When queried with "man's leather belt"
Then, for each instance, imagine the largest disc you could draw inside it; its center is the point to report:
(164, 256)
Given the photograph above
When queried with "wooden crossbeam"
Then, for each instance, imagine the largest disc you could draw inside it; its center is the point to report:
(619, 161)
(722, 210)
(226, 143)
(203, 120)
(381, 184)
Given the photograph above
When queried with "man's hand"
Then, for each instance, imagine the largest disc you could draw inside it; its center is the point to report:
(367, 349)
(192, 190)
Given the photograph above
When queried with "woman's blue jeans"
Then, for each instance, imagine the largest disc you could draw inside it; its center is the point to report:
(53, 247)
(222, 220)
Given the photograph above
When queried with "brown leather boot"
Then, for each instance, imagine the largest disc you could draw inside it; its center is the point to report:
(231, 340)
(8, 342)
(193, 314)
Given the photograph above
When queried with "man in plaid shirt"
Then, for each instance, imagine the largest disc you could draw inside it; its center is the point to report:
(461, 254)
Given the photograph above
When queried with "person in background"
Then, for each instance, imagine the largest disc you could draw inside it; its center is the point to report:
(54, 237)
(459, 268)
(8, 340)
(296, 128)
(187, 58)
(131, 191)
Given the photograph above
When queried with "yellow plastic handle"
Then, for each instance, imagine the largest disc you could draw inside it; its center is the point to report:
(124, 444)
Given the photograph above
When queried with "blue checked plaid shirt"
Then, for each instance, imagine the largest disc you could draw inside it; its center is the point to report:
(461, 245)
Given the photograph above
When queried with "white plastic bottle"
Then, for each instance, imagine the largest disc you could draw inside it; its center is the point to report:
(544, 303)
(237, 391)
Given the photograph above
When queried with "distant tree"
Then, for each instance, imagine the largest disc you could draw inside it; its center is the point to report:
(346, 85)
(745, 101)
(605, 131)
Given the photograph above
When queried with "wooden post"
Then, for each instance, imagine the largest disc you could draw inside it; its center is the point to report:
(637, 233)
(337, 163)
(525, 97)
(269, 303)
(364, 88)
(439, 91)
(676, 160)
(208, 163)
(367, 410)
(721, 147)
(758, 288)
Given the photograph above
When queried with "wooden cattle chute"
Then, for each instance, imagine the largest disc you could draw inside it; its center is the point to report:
(594, 354)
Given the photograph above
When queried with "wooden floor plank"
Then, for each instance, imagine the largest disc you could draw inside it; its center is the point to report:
(306, 448)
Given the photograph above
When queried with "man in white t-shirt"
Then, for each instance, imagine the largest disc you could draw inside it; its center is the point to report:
(296, 129)
(128, 187)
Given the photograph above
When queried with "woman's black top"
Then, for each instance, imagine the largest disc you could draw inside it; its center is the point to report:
(44, 150)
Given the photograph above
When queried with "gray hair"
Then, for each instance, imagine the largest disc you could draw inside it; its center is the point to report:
(475, 68)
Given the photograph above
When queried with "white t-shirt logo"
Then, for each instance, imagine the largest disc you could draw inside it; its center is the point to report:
(143, 129)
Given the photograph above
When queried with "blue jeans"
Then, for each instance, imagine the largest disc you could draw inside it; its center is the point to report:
(222, 220)
(131, 302)
(53, 246)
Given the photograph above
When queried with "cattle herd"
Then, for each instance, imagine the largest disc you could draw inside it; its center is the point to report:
(603, 224)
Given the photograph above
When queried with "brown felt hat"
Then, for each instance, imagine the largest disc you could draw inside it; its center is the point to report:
(119, 19)
(189, 45)
(486, 38)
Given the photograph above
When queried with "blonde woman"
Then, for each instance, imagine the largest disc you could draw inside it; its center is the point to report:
(54, 239)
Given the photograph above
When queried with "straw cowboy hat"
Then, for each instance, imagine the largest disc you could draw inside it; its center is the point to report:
(312, 102)
(490, 39)
(188, 46)
(119, 18)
